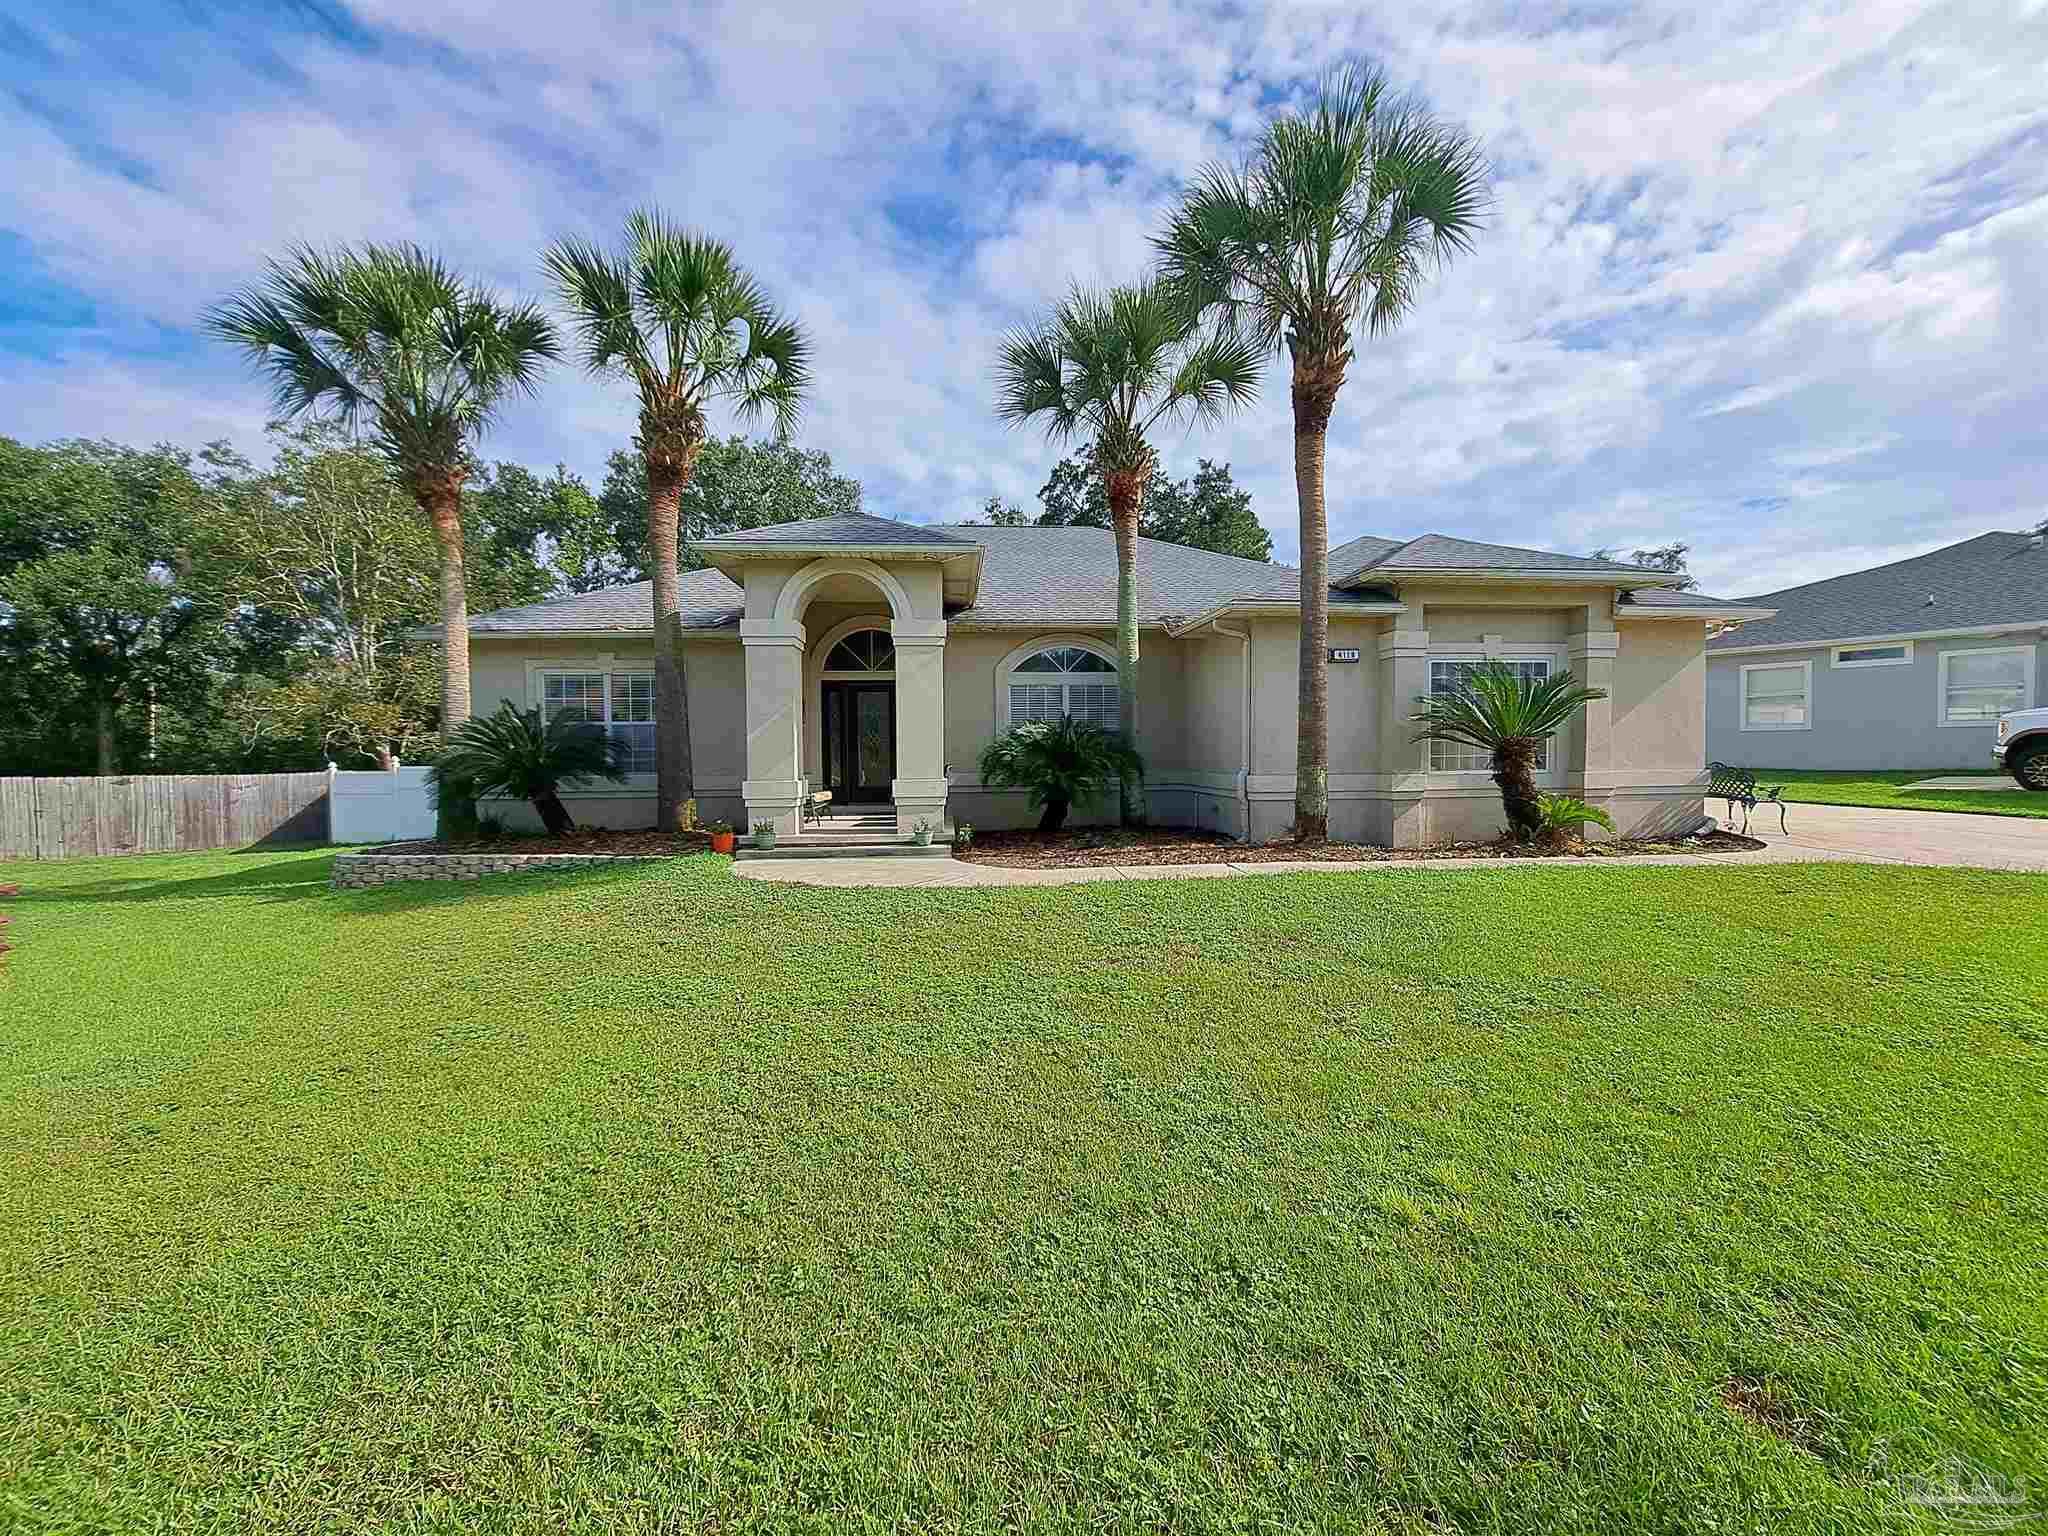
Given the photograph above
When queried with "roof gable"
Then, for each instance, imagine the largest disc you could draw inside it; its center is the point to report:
(855, 530)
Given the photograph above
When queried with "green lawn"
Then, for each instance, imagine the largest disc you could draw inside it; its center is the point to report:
(657, 1200)
(1886, 791)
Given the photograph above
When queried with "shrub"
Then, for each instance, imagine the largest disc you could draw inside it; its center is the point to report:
(1507, 716)
(1059, 762)
(1563, 815)
(515, 755)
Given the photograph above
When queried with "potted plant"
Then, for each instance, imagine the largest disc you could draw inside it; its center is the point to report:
(721, 836)
(963, 835)
(764, 834)
(921, 833)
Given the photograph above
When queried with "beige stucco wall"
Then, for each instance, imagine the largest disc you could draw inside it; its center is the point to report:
(1192, 710)
(716, 680)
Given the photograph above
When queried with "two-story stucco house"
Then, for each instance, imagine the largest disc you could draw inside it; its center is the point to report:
(876, 658)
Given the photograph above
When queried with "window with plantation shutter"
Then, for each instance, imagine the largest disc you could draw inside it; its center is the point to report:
(621, 704)
(1065, 681)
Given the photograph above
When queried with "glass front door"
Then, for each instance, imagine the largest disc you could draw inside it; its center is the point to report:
(860, 740)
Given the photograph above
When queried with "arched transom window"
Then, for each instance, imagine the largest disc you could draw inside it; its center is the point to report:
(865, 650)
(1064, 680)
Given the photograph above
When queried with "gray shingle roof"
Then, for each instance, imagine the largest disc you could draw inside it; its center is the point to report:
(1347, 560)
(856, 530)
(1440, 552)
(709, 600)
(1995, 578)
(1054, 576)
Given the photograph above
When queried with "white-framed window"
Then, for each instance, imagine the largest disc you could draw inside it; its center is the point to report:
(1063, 680)
(621, 702)
(1898, 653)
(1448, 674)
(1777, 696)
(1975, 687)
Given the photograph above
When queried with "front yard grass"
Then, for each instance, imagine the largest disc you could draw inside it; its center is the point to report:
(1540, 1200)
(1886, 790)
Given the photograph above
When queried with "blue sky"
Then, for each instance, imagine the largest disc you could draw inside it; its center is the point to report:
(1767, 278)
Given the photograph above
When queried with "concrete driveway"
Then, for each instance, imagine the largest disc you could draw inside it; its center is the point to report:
(1905, 837)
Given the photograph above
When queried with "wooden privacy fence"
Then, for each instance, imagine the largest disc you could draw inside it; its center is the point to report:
(159, 813)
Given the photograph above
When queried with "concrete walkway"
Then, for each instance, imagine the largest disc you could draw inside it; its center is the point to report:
(1820, 834)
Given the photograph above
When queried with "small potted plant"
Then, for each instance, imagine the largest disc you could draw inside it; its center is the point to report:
(764, 834)
(963, 835)
(921, 833)
(721, 836)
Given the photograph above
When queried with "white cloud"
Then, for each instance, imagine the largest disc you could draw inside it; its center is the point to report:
(1758, 277)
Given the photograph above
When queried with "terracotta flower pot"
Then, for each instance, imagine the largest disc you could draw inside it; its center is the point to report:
(722, 842)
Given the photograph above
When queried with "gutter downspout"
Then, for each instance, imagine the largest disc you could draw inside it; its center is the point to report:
(1244, 765)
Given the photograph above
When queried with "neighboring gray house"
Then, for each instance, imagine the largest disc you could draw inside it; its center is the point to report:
(1905, 666)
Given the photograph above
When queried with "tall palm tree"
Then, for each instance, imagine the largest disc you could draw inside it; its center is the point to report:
(677, 315)
(389, 337)
(1333, 224)
(1110, 366)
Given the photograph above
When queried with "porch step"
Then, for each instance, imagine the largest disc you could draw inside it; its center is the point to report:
(812, 846)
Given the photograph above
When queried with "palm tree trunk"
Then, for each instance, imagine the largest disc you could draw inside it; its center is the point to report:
(674, 774)
(441, 500)
(1514, 770)
(1126, 496)
(107, 757)
(1314, 397)
(553, 814)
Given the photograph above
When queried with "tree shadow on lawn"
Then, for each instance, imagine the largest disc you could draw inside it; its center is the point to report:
(287, 879)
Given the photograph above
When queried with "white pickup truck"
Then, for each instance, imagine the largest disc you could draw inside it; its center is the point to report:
(2022, 748)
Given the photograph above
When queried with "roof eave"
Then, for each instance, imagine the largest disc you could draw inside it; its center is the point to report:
(1254, 607)
(1954, 631)
(1539, 576)
(724, 555)
(1729, 614)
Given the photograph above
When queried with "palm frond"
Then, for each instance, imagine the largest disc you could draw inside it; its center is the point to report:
(515, 755)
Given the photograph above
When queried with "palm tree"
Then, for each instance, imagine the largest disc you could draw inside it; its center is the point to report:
(677, 315)
(1111, 366)
(1506, 715)
(1333, 223)
(387, 336)
(1061, 763)
(515, 755)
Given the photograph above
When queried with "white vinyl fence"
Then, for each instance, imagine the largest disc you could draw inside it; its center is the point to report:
(381, 807)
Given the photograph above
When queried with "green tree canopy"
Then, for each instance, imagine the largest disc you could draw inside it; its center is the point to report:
(738, 482)
(108, 602)
(1208, 510)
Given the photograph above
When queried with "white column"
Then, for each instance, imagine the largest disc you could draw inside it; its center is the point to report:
(919, 788)
(1589, 767)
(775, 691)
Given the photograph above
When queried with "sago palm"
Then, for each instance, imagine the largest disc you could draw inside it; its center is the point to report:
(1330, 227)
(1060, 763)
(1506, 715)
(387, 338)
(678, 316)
(1109, 367)
(515, 755)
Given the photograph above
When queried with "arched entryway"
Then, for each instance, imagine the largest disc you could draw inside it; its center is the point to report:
(857, 716)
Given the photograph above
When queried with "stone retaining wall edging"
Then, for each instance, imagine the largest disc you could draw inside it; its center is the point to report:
(358, 871)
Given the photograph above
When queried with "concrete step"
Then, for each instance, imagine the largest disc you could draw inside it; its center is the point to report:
(812, 847)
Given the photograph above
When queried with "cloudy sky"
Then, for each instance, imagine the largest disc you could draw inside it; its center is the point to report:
(1766, 278)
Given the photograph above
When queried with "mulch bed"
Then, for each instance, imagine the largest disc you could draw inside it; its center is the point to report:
(597, 840)
(1089, 846)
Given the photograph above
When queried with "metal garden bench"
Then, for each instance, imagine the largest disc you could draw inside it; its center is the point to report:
(1738, 786)
(814, 807)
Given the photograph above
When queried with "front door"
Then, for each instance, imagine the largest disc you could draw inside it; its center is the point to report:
(860, 740)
